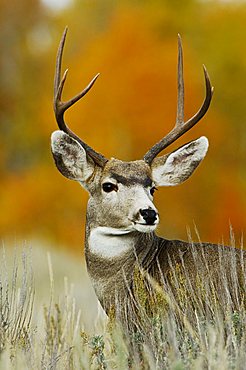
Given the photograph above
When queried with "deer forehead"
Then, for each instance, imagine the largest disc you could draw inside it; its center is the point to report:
(127, 173)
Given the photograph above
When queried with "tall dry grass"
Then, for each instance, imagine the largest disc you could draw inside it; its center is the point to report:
(45, 325)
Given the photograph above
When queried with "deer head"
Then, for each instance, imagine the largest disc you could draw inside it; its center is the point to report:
(121, 193)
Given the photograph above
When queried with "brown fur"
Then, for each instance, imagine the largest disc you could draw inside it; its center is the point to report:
(163, 261)
(126, 282)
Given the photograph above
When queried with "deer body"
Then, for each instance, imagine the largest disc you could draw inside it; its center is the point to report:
(113, 277)
(115, 248)
(121, 215)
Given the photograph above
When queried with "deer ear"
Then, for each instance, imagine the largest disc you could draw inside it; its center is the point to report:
(176, 167)
(70, 157)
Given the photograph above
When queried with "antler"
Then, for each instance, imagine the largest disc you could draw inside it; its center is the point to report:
(181, 127)
(60, 107)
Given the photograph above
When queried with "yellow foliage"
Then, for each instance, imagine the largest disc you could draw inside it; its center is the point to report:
(134, 47)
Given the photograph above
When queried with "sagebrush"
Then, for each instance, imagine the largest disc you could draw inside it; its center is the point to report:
(187, 329)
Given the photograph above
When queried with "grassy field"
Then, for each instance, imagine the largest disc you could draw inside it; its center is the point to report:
(50, 319)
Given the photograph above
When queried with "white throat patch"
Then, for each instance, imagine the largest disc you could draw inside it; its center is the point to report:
(109, 242)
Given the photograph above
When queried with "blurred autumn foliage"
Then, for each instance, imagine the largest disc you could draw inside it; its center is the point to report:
(133, 44)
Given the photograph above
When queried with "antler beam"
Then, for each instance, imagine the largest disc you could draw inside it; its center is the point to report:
(181, 127)
(60, 107)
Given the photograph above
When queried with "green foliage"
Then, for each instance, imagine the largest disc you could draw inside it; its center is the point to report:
(96, 347)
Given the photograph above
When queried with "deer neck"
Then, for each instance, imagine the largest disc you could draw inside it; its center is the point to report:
(110, 243)
(111, 256)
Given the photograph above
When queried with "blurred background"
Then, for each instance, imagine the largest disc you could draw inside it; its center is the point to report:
(133, 44)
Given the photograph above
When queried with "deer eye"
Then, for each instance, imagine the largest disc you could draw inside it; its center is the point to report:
(108, 187)
(152, 190)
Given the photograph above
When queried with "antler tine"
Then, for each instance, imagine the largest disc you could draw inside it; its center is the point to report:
(181, 127)
(60, 107)
(57, 79)
(180, 102)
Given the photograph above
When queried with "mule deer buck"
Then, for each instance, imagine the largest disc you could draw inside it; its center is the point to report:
(121, 215)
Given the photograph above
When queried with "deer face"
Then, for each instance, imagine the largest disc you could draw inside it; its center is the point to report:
(124, 197)
(121, 193)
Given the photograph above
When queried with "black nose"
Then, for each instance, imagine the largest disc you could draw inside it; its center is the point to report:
(149, 216)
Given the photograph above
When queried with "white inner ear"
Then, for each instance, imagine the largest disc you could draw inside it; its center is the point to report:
(180, 164)
(75, 163)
